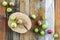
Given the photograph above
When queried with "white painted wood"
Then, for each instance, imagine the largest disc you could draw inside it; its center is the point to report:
(49, 14)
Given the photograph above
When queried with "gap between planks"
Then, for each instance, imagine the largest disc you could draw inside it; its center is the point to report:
(24, 7)
(2, 21)
(57, 18)
(11, 35)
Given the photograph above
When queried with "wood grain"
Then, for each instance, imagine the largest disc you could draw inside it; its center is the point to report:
(22, 9)
(11, 35)
(27, 7)
(2, 21)
(41, 14)
(32, 9)
(57, 17)
(22, 3)
(16, 9)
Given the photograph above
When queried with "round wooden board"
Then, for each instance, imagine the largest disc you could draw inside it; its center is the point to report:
(20, 28)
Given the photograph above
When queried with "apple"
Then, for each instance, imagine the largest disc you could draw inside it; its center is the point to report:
(11, 4)
(33, 16)
(44, 26)
(19, 21)
(42, 33)
(44, 19)
(9, 9)
(38, 23)
(36, 30)
(4, 3)
(4, 17)
(49, 31)
(12, 18)
(13, 25)
(55, 36)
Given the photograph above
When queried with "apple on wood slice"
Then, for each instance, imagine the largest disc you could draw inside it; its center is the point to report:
(55, 35)
(12, 18)
(13, 25)
(4, 3)
(20, 18)
(9, 9)
(11, 4)
(20, 21)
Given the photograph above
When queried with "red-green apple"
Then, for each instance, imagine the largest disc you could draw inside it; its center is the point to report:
(49, 31)
(11, 4)
(38, 23)
(44, 19)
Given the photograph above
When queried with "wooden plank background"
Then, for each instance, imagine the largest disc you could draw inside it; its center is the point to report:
(31, 7)
(28, 7)
(2, 21)
(57, 17)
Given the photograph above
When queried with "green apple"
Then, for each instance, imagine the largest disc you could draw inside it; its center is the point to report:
(13, 25)
(9, 9)
(4, 3)
(42, 33)
(44, 26)
(19, 21)
(33, 16)
(13, 17)
(55, 36)
(36, 30)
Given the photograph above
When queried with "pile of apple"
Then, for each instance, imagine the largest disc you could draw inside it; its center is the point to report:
(33, 16)
(10, 4)
(41, 27)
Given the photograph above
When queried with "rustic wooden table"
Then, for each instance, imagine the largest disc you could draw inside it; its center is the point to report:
(38, 7)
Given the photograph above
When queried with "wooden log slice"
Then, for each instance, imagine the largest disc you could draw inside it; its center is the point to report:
(21, 28)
